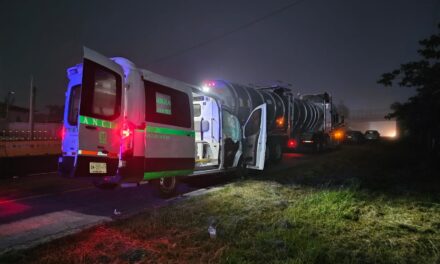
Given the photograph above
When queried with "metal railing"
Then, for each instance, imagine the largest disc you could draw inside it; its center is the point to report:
(25, 135)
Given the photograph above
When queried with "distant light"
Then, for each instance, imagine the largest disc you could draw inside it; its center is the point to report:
(205, 88)
(338, 134)
(393, 134)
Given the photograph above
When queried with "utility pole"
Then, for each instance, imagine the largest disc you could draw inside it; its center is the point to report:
(31, 108)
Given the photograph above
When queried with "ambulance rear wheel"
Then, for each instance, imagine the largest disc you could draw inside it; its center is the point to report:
(105, 185)
(167, 186)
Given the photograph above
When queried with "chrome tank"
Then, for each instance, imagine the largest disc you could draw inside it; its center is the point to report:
(241, 100)
(308, 116)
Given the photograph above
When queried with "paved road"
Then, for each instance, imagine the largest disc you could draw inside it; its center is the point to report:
(38, 207)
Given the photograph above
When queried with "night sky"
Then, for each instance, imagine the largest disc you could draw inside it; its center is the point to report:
(339, 46)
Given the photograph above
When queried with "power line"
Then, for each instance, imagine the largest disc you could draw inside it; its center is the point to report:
(227, 33)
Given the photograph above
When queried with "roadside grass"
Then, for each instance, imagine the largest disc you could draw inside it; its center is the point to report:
(361, 204)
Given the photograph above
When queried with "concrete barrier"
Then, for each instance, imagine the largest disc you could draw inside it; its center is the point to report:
(29, 148)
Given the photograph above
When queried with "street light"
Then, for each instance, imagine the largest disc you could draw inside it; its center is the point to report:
(9, 100)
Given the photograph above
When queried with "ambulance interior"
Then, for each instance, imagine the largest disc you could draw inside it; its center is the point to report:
(215, 128)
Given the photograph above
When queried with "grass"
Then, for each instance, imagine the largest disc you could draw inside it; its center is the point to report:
(361, 204)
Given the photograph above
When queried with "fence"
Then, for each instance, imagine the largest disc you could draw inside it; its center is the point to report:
(19, 131)
(19, 135)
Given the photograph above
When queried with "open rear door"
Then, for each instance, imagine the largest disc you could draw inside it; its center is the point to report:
(254, 134)
(100, 116)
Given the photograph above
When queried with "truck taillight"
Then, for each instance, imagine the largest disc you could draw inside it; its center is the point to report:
(291, 143)
(280, 121)
(338, 134)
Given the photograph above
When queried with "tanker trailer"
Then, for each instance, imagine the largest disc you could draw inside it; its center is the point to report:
(315, 123)
(242, 99)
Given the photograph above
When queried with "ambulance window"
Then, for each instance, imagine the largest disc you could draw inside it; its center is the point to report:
(231, 126)
(75, 94)
(104, 94)
(165, 105)
(253, 125)
(101, 92)
(197, 110)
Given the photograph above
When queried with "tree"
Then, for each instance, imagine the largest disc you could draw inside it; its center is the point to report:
(343, 109)
(420, 115)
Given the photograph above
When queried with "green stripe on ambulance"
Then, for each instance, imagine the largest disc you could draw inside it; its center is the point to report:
(170, 131)
(160, 174)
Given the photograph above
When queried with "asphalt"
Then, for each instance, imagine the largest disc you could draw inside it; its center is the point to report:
(36, 208)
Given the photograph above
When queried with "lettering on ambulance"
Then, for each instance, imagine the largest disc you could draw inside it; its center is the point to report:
(96, 122)
(163, 104)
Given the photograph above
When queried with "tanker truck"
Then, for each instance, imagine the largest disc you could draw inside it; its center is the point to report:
(308, 122)
(316, 124)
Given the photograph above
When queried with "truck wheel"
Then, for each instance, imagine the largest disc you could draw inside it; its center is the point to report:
(167, 186)
(318, 146)
(323, 143)
(267, 153)
(277, 153)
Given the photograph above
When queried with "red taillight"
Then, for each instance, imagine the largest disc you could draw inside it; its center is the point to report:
(127, 136)
(291, 143)
(126, 131)
(62, 133)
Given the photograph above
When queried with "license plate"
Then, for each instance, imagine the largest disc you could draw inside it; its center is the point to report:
(98, 167)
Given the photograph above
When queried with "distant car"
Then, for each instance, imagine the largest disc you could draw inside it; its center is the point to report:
(372, 135)
(354, 137)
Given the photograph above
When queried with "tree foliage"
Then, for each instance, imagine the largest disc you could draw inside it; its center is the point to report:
(420, 115)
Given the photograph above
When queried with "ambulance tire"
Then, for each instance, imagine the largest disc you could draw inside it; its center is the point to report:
(65, 171)
(167, 186)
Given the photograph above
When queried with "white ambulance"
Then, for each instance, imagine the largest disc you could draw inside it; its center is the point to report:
(125, 125)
